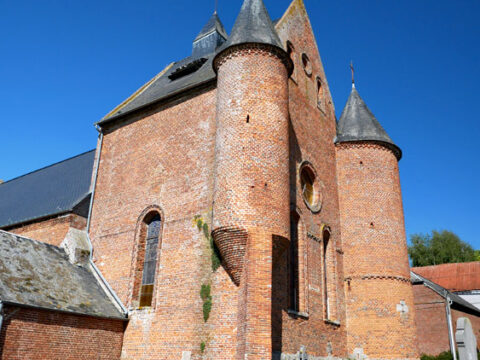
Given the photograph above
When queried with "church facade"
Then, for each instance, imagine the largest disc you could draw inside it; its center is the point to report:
(233, 217)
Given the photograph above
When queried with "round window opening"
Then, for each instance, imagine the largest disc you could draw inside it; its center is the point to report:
(307, 65)
(310, 188)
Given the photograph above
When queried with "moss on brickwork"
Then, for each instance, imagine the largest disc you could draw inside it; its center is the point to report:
(207, 301)
(202, 347)
(203, 226)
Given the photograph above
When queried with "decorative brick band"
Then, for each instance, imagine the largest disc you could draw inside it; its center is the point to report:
(253, 48)
(377, 277)
(371, 144)
(231, 241)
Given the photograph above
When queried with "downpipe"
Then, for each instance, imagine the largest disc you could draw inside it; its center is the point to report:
(1, 315)
(451, 337)
(90, 245)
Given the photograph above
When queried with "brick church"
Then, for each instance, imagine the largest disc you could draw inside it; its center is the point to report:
(225, 214)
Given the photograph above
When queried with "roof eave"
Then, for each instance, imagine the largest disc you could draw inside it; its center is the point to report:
(391, 146)
(98, 316)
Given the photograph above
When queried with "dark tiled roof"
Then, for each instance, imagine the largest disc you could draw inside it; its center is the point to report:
(457, 302)
(162, 87)
(37, 274)
(253, 25)
(357, 123)
(55, 189)
(454, 277)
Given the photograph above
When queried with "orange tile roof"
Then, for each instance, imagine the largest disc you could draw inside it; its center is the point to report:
(454, 277)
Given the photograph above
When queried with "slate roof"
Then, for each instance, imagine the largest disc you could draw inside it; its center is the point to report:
(213, 24)
(458, 303)
(253, 25)
(454, 277)
(39, 275)
(55, 189)
(162, 87)
(357, 123)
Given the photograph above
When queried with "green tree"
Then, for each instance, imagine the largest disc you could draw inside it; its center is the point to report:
(440, 248)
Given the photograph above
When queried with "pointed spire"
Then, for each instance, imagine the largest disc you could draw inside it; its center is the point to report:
(358, 123)
(214, 24)
(253, 25)
(211, 36)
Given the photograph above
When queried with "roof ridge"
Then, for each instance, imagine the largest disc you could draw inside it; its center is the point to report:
(47, 166)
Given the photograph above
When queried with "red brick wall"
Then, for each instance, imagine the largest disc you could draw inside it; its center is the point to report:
(252, 180)
(431, 321)
(31, 334)
(376, 262)
(51, 231)
(312, 131)
(164, 158)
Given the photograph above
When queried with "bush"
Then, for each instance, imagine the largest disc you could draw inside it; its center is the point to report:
(446, 355)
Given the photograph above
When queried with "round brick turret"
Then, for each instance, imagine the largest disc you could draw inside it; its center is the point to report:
(379, 294)
(251, 145)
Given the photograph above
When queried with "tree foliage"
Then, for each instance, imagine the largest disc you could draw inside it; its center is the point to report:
(440, 248)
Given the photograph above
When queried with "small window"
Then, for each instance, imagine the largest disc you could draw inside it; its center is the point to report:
(307, 65)
(150, 261)
(310, 188)
(320, 95)
(292, 55)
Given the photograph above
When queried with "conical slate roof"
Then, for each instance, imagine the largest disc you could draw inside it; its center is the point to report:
(357, 123)
(214, 24)
(253, 25)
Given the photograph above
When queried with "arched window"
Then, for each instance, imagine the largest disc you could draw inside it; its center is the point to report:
(154, 225)
(307, 65)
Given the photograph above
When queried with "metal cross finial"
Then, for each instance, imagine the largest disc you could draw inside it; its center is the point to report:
(353, 73)
(216, 6)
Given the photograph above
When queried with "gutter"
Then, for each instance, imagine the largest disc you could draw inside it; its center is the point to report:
(96, 271)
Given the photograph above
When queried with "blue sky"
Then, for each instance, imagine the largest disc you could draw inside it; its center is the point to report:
(66, 63)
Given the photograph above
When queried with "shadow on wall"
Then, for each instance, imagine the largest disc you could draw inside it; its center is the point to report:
(280, 252)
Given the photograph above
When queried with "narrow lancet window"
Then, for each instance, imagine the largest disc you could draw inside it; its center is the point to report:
(294, 265)
(150, 262)
(326, 248)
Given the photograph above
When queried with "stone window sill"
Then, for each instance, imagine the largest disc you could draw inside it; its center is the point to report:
(298, 314)
(332, 322)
